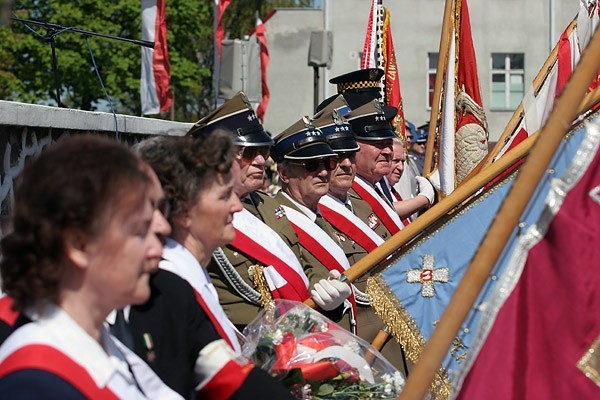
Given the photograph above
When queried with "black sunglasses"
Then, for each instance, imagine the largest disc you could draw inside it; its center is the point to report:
(318, 164)
(347, 154)
(251, 152)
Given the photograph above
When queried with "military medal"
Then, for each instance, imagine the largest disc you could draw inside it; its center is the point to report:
(150, 355)
(373, 221)
(279, 213)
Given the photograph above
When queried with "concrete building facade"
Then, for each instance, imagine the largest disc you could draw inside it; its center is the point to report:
(521, 32)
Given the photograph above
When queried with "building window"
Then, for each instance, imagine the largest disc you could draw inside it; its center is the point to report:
(508, 80)
(432, 62)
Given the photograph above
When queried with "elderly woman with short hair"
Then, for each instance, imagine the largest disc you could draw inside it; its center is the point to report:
(83, 243)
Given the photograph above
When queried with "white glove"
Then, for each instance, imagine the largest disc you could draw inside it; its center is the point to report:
(330, 293)
(425, 189)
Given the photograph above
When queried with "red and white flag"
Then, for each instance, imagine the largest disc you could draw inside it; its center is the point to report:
(156, 70)
(378, 52)
(260, 31)
(462, 140)
(220, 6)
(538, 101)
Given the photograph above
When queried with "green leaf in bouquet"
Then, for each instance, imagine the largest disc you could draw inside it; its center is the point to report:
(265, 345)
(325, 390)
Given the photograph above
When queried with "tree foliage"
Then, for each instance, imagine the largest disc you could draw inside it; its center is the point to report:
(26, 73)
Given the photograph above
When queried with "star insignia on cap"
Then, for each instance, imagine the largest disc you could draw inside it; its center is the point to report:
(337, 128)
(251, 117)
(379, 118)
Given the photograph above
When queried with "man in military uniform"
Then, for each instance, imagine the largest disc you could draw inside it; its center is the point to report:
(412, 205)
(341, 209)
(375, 137)
(265, 246)
(305, 161)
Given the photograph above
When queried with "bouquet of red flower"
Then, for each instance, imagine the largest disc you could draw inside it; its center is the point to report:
(317, 359)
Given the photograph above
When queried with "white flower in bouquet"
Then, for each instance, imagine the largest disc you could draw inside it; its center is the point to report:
(277, 337)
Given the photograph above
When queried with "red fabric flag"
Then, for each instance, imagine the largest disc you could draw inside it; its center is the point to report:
(369, 58)
(264, 62)
(542, 343)
(538, 102)
(156, 69)
(378, 52)
(220, 6)
(393, 95)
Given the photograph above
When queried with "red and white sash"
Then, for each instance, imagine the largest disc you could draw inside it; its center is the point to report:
(283, 272)
(381, 208)
(320, 244)
(46, 358)
(345, 221)
(56, 344)
(178, 260)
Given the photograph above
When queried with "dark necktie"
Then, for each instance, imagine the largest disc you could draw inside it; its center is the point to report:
(120, 329)
(387, 195)
(320, 221)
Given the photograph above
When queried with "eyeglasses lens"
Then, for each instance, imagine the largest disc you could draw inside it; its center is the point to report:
(251, 152)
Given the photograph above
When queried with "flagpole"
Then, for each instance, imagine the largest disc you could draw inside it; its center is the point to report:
(487, 254)
(447, 29)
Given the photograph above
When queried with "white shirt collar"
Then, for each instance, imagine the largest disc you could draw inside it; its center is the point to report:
(101, 361)
(305, 210)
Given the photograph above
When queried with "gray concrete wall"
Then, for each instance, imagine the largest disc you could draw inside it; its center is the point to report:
(27, 129)
(289, 77)
(520, 26)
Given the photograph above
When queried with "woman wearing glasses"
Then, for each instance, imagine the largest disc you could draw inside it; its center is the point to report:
(84, 242)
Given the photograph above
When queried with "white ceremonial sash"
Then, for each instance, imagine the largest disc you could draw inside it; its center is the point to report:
(348, 223)
(178, 260)
(322, 246)
(259, 241)
(382, 209)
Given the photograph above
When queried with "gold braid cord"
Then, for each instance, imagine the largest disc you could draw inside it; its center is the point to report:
(404, 329)
(260, 282)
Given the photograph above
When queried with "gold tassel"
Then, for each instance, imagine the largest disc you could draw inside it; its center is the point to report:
(260, 282)
(404, 329)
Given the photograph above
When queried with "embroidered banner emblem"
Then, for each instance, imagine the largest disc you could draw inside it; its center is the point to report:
(427, 276)
(590, 362)
(595, 194)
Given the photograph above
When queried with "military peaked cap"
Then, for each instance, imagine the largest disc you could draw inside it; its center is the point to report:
(301, 141)
(335, 127)
(370, 122)
(237, 116)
